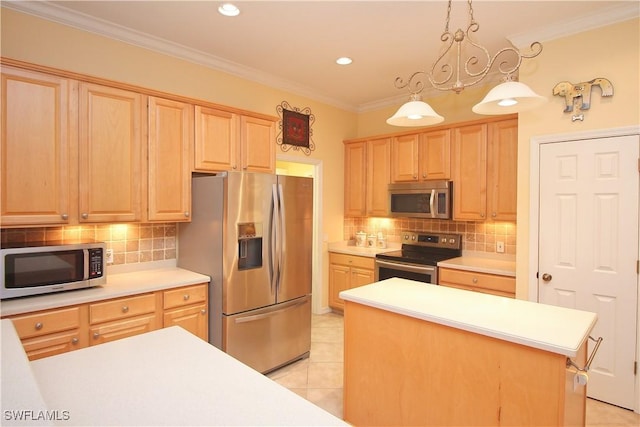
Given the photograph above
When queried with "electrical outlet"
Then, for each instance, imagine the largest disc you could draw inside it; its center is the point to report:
(500, 247)
(109, 256)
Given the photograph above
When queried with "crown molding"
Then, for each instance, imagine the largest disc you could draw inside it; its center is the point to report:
(61, 15)
(578, 24)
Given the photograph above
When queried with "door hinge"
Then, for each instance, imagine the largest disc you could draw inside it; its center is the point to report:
(638, 266)
(635, 368)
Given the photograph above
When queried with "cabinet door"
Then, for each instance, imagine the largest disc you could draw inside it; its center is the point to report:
(170, 142)
(435, 155)
(470, 172)
(404, 158)
(257, 144)
(38, 142)
(378, 176)
(216, 140)
(354, 179)
(110, 147)
(193, 319)
(502, 160)
(339, 280)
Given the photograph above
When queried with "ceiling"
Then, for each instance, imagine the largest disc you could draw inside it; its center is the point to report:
(293, 45)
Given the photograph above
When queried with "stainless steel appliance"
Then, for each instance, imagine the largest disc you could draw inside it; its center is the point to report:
(39, 268)
(427, 199)
(251, 233)
(419, 256)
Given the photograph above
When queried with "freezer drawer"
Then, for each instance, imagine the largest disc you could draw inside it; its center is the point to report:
(270, 337)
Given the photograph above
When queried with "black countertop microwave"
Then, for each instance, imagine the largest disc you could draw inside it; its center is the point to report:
(39, 268)
(426, 199)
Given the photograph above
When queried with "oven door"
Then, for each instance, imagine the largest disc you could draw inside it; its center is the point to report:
(417, 272)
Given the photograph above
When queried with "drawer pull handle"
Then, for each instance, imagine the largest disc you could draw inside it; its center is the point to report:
(203, 311)
(125, 308)
(96, 335)
(39, 326)
(186, 297)
(74, 340)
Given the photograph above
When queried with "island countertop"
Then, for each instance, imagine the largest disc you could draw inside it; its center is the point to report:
(546, 327)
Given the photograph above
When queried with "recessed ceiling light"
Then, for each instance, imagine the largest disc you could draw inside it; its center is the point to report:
(343, 60)
(227, 9)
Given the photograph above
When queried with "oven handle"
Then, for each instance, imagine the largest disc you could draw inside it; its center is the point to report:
(406, 267)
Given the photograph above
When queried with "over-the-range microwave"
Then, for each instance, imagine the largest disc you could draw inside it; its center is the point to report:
(39, 268)
(426, 199)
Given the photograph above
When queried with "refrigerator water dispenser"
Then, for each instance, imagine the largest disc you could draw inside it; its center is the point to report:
(249, 245)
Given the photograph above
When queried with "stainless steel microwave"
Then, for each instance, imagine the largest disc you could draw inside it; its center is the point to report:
(40, 268)
(426, 199)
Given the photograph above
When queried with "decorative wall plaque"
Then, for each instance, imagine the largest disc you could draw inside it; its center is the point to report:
(295, 128)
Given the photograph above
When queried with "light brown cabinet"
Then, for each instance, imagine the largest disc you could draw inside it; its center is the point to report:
(39, 148)
(228, 141)
(110, 154)
(124, 317)
(378, 176)
(346, 272)
(479, 282)
(187, 308)
(51, 332)
(355, 174)
(421, 156)
(484, 158)
(171, 131)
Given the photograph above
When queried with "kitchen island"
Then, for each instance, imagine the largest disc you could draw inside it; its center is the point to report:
(419, 354)
(164, 377)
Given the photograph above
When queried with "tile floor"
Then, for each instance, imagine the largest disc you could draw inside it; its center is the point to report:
(319, 378)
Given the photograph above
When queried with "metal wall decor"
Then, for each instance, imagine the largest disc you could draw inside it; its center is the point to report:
(295, 128)
(578, 95)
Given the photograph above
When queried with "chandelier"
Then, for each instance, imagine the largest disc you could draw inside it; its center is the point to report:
(508, 97)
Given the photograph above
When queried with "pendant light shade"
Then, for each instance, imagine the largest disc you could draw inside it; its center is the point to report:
(415, 113)
(507, 98)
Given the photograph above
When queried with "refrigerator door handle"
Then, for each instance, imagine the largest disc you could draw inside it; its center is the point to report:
(273, 256)
(256, 317)
(282, 238)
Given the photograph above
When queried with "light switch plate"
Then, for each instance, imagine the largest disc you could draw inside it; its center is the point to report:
(500, 247)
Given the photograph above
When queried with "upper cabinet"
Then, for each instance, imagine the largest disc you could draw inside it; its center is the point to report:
(421, 156)
(39, 148)
(110, 153)
(378, 176)
(228, 141)
(484, 158)
(355, 172)
(171, 132)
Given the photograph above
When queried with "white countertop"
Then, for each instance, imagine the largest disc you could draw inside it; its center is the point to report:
(118, 285)
(545, 327)
(345, 247)
(164, 377)
(481, 265)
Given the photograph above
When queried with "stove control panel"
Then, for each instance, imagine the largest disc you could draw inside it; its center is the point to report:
(453, 241)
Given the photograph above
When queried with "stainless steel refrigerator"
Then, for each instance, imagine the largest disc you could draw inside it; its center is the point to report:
(252, 233)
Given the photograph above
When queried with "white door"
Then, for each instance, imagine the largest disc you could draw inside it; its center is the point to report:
(588, 247)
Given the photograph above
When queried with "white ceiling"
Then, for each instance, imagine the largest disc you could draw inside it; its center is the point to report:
(293, 45)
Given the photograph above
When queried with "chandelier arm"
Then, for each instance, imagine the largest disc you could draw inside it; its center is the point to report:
(414, 87)
(445, 68)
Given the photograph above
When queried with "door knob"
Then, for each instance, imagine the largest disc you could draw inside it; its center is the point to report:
(546, 277)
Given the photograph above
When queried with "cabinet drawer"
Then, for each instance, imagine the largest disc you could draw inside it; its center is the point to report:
(185, 296)
(34, 325)
(112, 331)
(121, 308)
(352, 260)
(477, 280)
(50, 345)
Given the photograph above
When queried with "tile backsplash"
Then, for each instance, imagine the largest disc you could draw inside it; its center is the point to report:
(476, 236)
(131, 243)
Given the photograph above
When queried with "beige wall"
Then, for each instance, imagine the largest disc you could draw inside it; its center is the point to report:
(31, 39)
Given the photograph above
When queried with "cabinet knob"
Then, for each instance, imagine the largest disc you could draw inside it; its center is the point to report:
(482, 215)
(96, 335)
(187, 214)
(203, 311)
(186, 297)
(65, 216)
(424, 176)
(494, 214)
(85, 215)
(475, 280)
(74, 340)
(39, 326)
(415, 176)
(125, 308)
(235, 167)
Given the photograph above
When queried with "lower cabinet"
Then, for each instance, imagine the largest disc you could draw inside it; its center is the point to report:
(346, 272)
(50, 332)
(493, 284)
